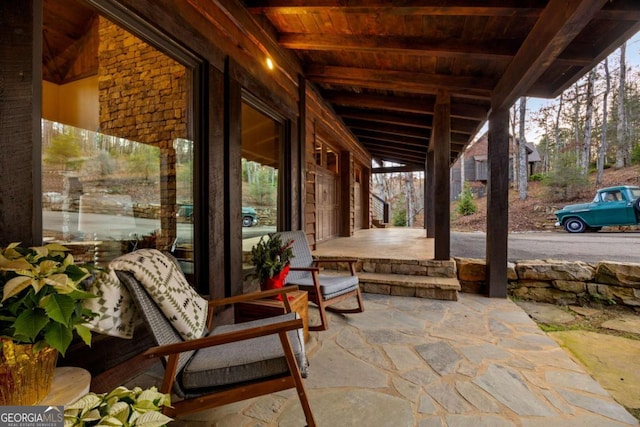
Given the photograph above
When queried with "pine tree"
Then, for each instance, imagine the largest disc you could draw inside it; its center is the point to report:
(466, 205)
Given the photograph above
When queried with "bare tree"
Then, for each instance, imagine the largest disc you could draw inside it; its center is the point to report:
(622, 148)
(603, 142)
(409, 192)
(522, 152)
(585, 152)
(514, 149)
(576, 123)
(545, 119)
(556, 130)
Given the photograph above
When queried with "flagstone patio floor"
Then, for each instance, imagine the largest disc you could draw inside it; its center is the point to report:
(406, 361)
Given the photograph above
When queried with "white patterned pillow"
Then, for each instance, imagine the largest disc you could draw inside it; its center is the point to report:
(163, 281)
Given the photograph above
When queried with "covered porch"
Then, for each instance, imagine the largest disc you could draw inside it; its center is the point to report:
(417, 362)
(390, 261)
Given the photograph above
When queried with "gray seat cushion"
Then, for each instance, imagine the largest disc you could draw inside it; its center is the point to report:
(243, 361)
(330, 286)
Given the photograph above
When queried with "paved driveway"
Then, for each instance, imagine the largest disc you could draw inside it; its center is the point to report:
(588, 247)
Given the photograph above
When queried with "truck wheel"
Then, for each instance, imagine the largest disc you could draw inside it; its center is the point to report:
(575, 225)
(247, 221)
(636, 205)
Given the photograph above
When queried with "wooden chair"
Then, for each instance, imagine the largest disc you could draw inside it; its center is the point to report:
(324, 290)
(230, 362)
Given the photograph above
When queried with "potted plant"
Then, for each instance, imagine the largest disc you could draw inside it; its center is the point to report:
(271, 258)
(120, 407)
(40, 311)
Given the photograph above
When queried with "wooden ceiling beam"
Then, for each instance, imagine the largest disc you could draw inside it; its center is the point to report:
(561, 84)
(369, 143)
(404, 160)
(495, 50)
(387, 128)
(560, 22)
(507, 8)
(379, 146)
(620, 10)
(468, 127)
(417, 166)
(397, 156)
(392, 139)
(403, 104)
(382, 102)
(402, 81)
(423, 121)
(459, 139)
(398, 169)
(456, 137)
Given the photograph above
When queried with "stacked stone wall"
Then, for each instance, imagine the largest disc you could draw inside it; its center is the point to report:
(142, 95)
(560, 282)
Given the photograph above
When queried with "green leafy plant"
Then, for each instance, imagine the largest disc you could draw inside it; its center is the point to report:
(400, 217)
(270, 256)
(539, 177)
(121, 407)
(42, 297)
(635, 155)
(466, 205)
(566, 180)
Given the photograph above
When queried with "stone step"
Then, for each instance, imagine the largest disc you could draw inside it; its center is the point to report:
(408, 285)
(442, 288)
(397, 266)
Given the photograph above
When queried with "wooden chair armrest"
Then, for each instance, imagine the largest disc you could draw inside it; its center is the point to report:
(312, 269)
(252, 296)
(224, 338)
(349, 260)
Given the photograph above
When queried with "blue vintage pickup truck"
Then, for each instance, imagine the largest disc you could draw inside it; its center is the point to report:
(611, 206)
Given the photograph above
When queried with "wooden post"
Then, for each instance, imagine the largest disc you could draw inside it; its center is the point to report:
(20, 114)
(299, 155)
(365, 187)
(498, 203)
(233, 142)
(429, 216)
(345, 226)
(441, 137)
(213, 212)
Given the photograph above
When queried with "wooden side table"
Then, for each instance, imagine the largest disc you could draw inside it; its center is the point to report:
(69, 385)
(259, 309)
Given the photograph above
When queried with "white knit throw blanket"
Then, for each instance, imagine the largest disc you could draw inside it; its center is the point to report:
(163, 281)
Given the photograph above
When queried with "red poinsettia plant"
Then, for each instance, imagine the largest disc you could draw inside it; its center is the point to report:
(270, 256)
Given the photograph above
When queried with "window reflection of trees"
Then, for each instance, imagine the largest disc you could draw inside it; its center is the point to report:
(261, 149)
(116, 155)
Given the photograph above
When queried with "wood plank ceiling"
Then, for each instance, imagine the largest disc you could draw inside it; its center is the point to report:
(380, 63)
